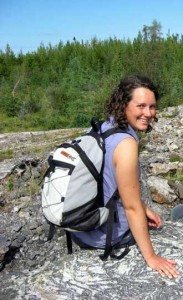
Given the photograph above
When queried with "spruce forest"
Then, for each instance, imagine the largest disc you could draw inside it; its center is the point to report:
(67, 84)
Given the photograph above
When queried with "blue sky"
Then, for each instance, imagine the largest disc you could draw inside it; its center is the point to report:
(24, 24)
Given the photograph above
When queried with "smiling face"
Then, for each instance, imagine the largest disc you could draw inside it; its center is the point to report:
(141, 109)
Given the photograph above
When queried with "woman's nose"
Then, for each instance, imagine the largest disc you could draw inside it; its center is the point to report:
(148, 112)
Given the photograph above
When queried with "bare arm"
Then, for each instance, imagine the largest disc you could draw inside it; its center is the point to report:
(125, 160)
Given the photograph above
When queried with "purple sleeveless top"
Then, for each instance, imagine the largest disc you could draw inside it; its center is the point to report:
(97, 238)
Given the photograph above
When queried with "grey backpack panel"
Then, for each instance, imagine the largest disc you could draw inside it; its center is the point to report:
(69, 187)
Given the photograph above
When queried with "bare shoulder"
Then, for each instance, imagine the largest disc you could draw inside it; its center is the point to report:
(126, 150)
(128, 145)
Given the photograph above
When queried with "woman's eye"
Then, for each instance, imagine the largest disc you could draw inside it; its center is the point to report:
(144, 106)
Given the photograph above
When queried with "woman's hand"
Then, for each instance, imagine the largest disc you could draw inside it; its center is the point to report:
(165, 267)
(153, 218)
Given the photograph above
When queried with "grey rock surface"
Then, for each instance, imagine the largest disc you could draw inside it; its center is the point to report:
(33, 268)
(83, 275)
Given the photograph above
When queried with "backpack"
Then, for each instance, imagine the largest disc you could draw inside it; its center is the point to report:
(72, 193)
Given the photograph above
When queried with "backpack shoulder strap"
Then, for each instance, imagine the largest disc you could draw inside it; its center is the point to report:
(96, 127)
(111, 131)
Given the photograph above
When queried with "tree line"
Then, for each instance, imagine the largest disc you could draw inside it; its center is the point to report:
(65, 85)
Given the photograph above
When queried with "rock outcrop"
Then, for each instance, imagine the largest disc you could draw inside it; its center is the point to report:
(34, 268)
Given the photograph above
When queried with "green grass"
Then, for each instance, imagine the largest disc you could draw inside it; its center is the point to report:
(176, 158)
(6, 154)
(174, 175)
(10, 183)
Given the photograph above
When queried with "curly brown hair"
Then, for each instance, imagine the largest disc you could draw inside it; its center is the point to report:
(122, 95)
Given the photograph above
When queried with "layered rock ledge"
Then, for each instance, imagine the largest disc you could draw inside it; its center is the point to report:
(33, 268)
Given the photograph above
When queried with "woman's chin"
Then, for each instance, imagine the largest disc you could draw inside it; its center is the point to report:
(142, 127)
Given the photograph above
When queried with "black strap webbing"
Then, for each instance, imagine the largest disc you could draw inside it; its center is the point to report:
(108, 247)
(51, 231)
(111, 131)
(69, 242)
(57, 163)
(123, 254)
(111, 205)
(68, 237)
(88, 163)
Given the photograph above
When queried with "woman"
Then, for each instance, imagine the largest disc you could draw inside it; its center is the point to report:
(132, 106)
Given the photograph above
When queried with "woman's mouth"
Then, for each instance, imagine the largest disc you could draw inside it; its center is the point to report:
(145, 121)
